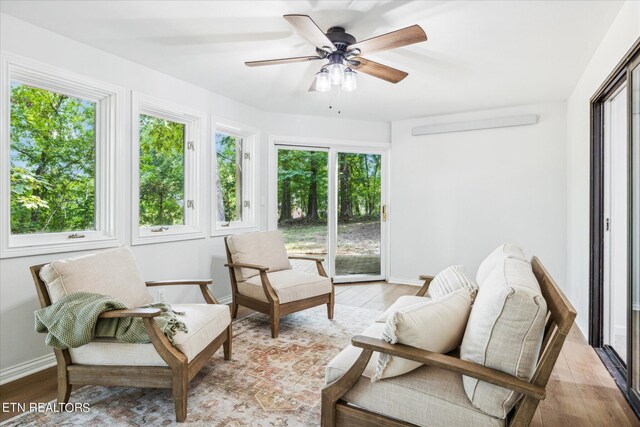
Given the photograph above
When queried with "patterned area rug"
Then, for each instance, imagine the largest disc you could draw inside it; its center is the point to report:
(269, 382)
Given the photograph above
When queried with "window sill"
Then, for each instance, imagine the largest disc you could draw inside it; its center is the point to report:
(233, 228)
(24, 250)
(145, 236)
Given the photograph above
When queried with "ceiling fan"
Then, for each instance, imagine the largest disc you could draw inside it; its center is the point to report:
(344, 53)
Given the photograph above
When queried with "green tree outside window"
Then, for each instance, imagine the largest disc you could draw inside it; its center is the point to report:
(52, 158)
(161, 171)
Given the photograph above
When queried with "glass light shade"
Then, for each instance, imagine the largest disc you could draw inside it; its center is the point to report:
(349, 84)
(323, 84)
(336, 73)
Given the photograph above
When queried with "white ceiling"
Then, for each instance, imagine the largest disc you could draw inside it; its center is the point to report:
(479, 55)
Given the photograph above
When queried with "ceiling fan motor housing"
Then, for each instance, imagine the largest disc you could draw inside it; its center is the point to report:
(340, 39)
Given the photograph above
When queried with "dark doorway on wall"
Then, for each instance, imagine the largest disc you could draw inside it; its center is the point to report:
(615, 225)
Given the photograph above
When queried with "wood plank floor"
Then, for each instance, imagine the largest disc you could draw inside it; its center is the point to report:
(580, 392)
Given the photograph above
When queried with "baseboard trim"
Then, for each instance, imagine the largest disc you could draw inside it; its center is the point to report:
(21, 370)
(225, 300)
(405, 281)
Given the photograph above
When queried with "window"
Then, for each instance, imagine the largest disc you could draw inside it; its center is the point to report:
(233, 179)
(161, 172)
(166, 197)
(60, 179)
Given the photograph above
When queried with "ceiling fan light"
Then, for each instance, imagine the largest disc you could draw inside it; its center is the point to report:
(323, 83)
(336, 73)
(349, 84)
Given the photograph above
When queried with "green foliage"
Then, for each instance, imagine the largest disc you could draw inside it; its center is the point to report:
(229, 179)
(52, 161)
(161, 171)
(359, 186)
(302, 186)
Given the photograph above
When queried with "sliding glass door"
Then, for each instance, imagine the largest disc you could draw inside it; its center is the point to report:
(359, 215)
(634, 223)
(329, 202)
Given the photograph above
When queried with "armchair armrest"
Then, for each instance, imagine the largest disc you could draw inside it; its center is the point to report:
(450, 363)
(179, 282)
(318, 260)
(170, 354)
(425, 287)
(243, 265)
(130, 312)
(206, 293)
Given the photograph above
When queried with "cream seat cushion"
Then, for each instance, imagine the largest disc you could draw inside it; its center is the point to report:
(402, 302)
(112, 272)
(504, 332)
(289, 285)
(264, 248)
(204, 322)
(505, 250)
(426, 396)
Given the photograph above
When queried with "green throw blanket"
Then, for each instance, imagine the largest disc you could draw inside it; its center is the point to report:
(73, 321)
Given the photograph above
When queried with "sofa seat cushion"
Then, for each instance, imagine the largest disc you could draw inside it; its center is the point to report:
(505, 250)
(289, 285)
(264, 248)
(204, 322)
(112, 272)
(426, 396)
(402, 302)
(504, 332)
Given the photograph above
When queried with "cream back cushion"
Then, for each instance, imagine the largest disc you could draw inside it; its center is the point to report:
(112, 272)
(504, 332)
(505, 250)
(265, 248)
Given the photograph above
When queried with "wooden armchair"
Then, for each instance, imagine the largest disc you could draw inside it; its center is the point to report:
(262, 278)
(337, 411)
(110, 363)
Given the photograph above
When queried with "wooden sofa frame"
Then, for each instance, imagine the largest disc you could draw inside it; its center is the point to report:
(337, 412)
(272, 307)
(176, 376)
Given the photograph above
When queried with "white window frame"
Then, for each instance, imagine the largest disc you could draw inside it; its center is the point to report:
(194, 122)
(249, 136)
(108, 178)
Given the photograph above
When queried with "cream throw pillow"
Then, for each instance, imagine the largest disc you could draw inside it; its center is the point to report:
(451, 279)
(434, 325)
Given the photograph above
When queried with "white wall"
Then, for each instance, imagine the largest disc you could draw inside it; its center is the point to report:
(457, 196)
(620, 37)
(195, 258)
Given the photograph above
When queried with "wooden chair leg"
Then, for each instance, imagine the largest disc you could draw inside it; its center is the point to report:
(330, 305)
(227, 344)
(275, 320)
(180, 392)
(64, 388)
(234, 309)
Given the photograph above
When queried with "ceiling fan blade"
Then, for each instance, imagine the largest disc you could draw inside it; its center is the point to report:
(378, 70)
(281, 61)
(312, 88)
(392, 40)
(308, 29)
